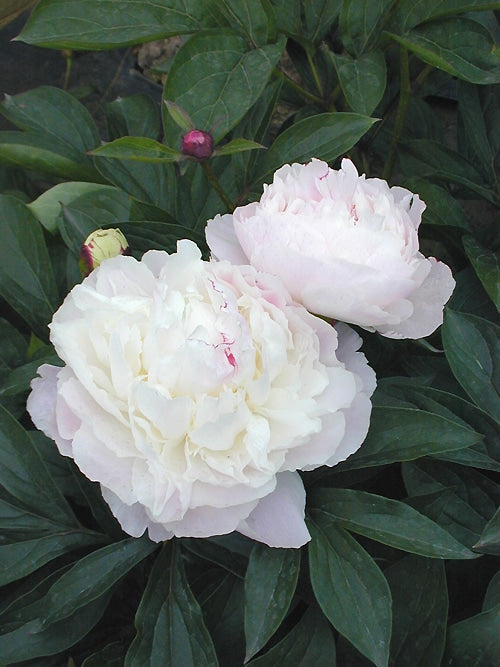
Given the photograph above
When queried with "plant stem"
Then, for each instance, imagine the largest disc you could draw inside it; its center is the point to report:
(298, 89)
(314, 71)
(214, 182)
(402, 110)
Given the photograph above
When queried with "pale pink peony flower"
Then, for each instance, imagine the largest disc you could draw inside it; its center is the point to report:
(346, 247)
(193, 391)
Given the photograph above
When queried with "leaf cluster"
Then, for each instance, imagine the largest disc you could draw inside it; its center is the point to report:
(402, 565)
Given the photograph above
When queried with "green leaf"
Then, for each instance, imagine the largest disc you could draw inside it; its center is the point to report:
(19, 559)
(420, 610)
(69, 24)
(47, 207)
(152, 183)
(216, 79)
(486, 265)
(387, 521)
(147, 235)
(51, 111)
(319, 17)
(361, 22)
(169, 622)
(288, 17)
(179, 116)
(492, 596)
(459, 499)
(474, 641)
(324, 136)
(478, 122)
(362, 80)
(489, 542)
(32, 640)
(141, 149)
(253, 18)
(270, 583)
(112, 655)
(44, 153)
(24, 476)
(472, 348)
(350, 589)
(237, 146)
(309, 643)
(408, 13)
(459, 46)
(92, 576)
(435, 161)
(485, 454)
(13, 348)
(442, 208)
(135, 116)
(232, 562)
(403, 434)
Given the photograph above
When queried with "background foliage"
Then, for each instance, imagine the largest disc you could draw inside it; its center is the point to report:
(402, 568)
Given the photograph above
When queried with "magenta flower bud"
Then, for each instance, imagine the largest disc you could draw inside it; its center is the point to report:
(197, 144)
(100, 245)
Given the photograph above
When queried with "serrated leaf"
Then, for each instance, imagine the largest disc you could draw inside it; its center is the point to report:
(67, 24)
(387, 521)
(459, 46)
(324, 136)
(216, 79)
(472, 348)
(362, 80)
(486, 265)
(169, 622)
(403, 434)
(270, 583)
(350, 589)
(420, 611)
(309, 643)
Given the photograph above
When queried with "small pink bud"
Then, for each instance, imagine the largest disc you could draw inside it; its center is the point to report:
(197, 144)
(100, 245)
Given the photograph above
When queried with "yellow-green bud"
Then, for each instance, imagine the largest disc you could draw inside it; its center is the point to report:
(100, 245)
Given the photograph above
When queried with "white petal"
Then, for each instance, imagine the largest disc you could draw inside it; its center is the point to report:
(222, 240)
(278, 519)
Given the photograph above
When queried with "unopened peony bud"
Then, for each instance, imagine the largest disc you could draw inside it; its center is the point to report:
(198, 144)
(100, 245)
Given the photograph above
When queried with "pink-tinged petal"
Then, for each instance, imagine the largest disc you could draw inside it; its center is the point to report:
(207, 521)
(132, 518)
(222, 240)
(428, 301)
(278, 519)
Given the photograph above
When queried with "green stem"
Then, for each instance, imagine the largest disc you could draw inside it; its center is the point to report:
(214, 182)
(402, 110)
(68, 55)
(298, 89)
(314, 71)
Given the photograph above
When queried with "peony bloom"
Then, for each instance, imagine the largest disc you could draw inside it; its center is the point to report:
(193, 391)
(345, 246)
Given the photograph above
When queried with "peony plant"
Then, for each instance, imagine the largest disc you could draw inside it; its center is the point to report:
(196, 467)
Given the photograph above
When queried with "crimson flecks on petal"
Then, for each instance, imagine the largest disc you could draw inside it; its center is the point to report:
(198, 144)
(100, 245)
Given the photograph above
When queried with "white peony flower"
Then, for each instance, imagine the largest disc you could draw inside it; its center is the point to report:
(345, 246)
(193, 391)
